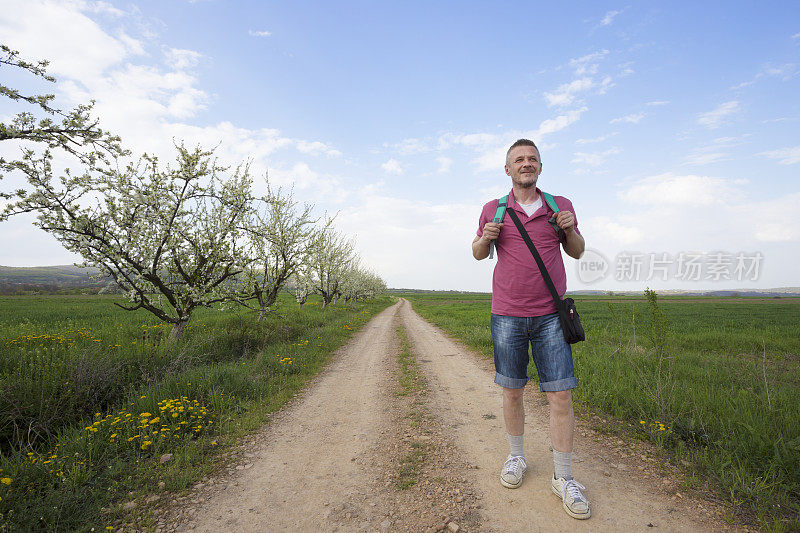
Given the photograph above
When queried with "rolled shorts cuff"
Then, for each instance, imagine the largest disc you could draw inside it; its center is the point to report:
(510, 383)
(557, 385)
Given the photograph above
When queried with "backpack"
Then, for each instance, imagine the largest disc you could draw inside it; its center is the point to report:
(502, 204)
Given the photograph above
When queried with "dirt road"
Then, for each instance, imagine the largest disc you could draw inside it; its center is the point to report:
(326, 462)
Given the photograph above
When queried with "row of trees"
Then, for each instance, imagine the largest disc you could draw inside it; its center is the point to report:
(174, 237)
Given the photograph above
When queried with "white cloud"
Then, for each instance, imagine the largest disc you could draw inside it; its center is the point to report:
(796, 36)
(594, 159)
(59, 32)
(632, 118)
(612, 231)
(392, 166)
(717, 117)
(147, 104)
(181, 59)
(713, 153)
(704, 157)
(567, 92)
(686, 190)
(658, 103)
(783, 221)
(445, 163)
(595, 139)
(587, 64)
(785, 72)
(259, 33)
(552, 125)
(490, 148)
(316, 147)
(104, 8)
(410, 146)
(785, 156)
(310, 185)
(448, 228)
(609, 18)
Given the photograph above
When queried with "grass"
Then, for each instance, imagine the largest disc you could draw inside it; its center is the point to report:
(91, 397)
(411, 384)
(409, 380)
(714, 381)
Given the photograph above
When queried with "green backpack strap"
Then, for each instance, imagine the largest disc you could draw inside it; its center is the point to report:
(552, 203)
(502, 204)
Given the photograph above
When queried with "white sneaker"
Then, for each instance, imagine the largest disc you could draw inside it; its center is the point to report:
(575, 503)
(513, 469)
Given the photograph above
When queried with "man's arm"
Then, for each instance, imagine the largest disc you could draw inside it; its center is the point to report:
(574, 244)
(480, 245)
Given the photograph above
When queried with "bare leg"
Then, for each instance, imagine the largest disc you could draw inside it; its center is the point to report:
(562, 420)
(513, 411)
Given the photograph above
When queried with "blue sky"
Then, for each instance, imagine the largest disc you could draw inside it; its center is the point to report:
(673, 127)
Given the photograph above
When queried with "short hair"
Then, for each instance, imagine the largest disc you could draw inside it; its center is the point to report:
(521, 142)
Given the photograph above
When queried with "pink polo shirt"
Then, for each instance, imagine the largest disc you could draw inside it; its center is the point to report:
(518, 288)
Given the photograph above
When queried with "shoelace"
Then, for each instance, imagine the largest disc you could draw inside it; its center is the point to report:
(514, 465)
(574, 489)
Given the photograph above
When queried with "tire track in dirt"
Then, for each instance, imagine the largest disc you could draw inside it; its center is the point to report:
(470, 404)
(329, 459)
(306, 461)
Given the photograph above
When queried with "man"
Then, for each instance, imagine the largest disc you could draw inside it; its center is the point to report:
(523, 312)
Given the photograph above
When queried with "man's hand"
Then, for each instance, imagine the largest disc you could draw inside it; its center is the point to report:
(574, 244)
(491, 230)
(565, 221)
(480, 245)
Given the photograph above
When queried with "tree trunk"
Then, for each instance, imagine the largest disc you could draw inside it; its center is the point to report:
(262, 314)
(177, 329)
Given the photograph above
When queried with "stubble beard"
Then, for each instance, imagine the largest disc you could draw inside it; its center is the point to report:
(526, 184)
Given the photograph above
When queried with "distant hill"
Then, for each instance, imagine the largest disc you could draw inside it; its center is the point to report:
(52, 280)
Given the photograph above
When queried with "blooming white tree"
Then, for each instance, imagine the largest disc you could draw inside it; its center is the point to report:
(41, 123)
(170, 237)
(361, 284)
(303, 286)
(278, 235)
(330, 256)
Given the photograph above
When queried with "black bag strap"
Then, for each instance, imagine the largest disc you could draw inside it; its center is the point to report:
(527, 238)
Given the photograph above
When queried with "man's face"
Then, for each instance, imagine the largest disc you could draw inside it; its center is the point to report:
(524, 166)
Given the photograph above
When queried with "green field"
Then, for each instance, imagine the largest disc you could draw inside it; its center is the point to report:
(91, 397)
(714, 381)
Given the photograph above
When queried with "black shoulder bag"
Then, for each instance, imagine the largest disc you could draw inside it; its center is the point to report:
(567, 314)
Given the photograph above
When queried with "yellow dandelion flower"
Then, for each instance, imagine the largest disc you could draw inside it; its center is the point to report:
(6, 480)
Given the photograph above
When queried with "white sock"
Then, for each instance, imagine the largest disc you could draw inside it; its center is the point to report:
(517, 443)
(563, 464)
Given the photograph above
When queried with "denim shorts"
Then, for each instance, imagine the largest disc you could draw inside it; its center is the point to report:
(551, 353)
